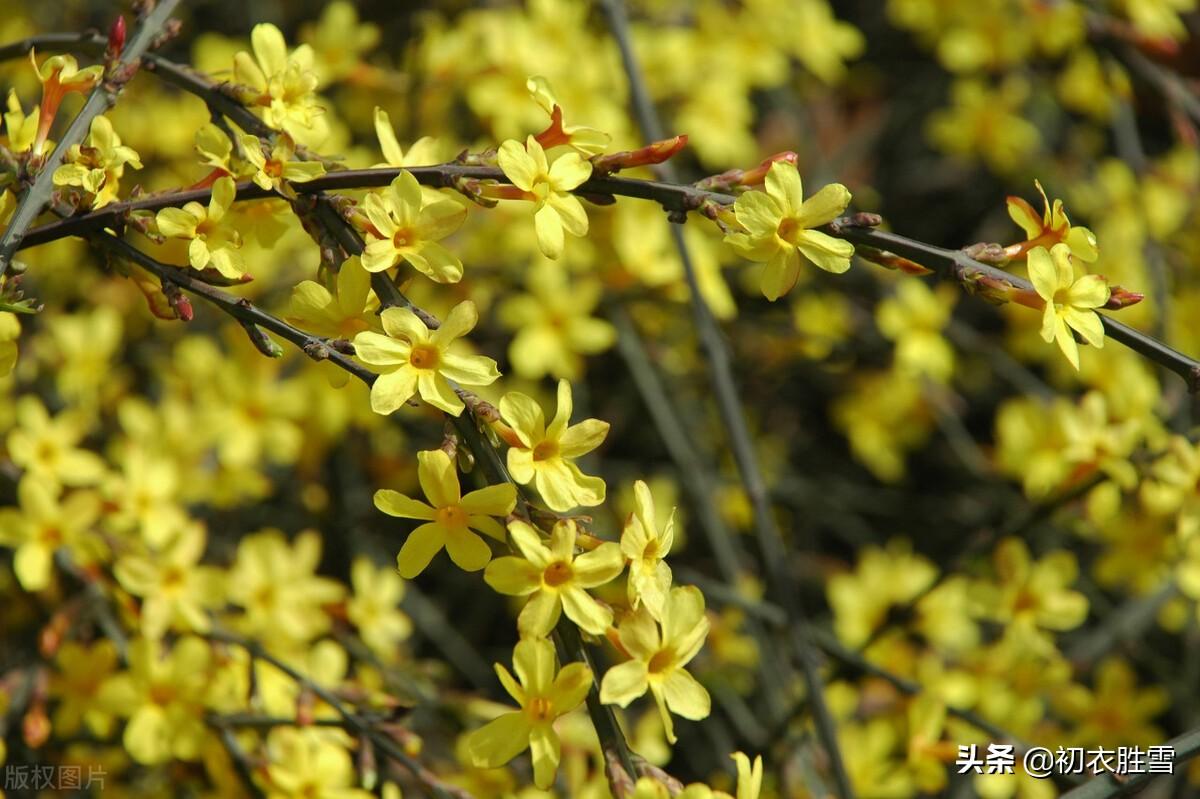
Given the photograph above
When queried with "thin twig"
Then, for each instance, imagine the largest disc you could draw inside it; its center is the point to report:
(770, 537)
(430, 781)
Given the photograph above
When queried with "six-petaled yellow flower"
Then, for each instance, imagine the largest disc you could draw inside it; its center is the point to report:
(1070, 303)
(544, 694)
(555, 579)
(658, 657)
(280, 83)
(405, 227)
(450, 519)
(778, 228)
(550, 186)
(212, 241)
(544, 454)
(412, 359)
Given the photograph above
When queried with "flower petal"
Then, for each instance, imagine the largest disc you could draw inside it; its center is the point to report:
(438, 477)
(533, 661)
(685, 696)
(599, 566)
(468, 551)
(391, 390)
(545, 752)
(517, 164)
(513, 576)
(624, 683)
(784, 186)
(539, 615)
(585, 611)
(824, 206)
(498, 741)
(393, 503)
(419, 548)
(525, 417)
(460, 321)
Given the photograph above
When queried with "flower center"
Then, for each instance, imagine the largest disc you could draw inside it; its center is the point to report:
(540, 708)
(662, 661)
(651, 550)
(545, 450)
(402, 238)
(557, 573)
(423, 356)
(789, 229)
(273, 169)
(451, 516)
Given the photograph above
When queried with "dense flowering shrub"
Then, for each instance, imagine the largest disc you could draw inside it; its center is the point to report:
(288, 308)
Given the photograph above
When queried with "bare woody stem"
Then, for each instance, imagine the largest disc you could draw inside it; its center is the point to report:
(100, 100)
(948, 264)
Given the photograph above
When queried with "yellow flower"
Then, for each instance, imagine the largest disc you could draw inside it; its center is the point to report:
(97, 165)
(777, 226)
(584, 140)
(214, 148)
(645, 546)
(544, 454)
(543, 695)
(21, 129)
(407, 228)
(339, 41)
(554, 324)
(81, 672)
(307, 764)
(556, 208)
(282, 84)
(1070, 304)
(163, 698)
(175, 590)
(1170, 489)
(43, 524)
(450, 519)
(914, 318)
(374, 608)
(1032, 595)
(350, 312)
(212, 243)
(988, 122)
(657, 659)
(275, 583)
(1049, 228)
(414, 360)
(47, 448)
(60, 75)
(343, 316)
(1117, 712)
(882, 580)
(555, 579)
(271, 171)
